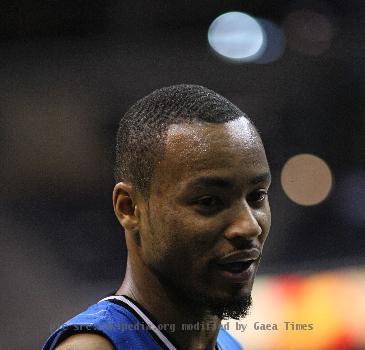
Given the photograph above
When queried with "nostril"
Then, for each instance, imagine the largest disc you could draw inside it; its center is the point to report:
(243, 229)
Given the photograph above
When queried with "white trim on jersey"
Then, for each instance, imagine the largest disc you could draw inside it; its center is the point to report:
(150, 324)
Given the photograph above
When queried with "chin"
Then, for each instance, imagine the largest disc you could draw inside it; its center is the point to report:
(231, 300)
(234, 303)
(236, 306)
(234, 291)
(225, 300)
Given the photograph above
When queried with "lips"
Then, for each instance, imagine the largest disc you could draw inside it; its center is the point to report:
(240, 256)
(239, 266)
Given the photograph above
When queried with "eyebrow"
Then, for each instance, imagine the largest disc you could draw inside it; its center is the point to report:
(224, 182)
(264, 177)
(212, 181)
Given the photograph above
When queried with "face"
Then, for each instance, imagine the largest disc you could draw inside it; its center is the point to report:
(208, 216)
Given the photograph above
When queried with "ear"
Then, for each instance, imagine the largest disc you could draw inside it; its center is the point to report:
(125, 207)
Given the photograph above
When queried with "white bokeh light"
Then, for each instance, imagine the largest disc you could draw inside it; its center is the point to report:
(237, 36)
(274, 43)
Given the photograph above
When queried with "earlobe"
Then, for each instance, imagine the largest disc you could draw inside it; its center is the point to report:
(124, 207)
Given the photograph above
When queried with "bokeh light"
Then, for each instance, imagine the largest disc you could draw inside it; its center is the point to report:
(320, 299)
(237, 36)
(274, 43)
(306, 179)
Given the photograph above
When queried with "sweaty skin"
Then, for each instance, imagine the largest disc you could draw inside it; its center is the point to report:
(207, 199)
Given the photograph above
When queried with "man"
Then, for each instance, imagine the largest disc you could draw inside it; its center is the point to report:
(191, 193)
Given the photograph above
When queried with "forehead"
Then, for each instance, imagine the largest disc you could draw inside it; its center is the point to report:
(231, 149)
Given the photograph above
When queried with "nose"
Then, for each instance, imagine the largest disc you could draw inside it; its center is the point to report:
(245, 225)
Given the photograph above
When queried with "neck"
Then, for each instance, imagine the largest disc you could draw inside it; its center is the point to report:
(148, 291)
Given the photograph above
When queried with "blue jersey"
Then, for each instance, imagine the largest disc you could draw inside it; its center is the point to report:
(127, 326)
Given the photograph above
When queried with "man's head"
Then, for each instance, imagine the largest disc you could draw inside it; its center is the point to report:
(142, 130)
(192, 180)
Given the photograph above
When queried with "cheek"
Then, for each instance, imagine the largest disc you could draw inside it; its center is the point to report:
(188, 236)
(162, 237)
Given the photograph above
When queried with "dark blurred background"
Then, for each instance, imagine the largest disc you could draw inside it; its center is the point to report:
(68, 72)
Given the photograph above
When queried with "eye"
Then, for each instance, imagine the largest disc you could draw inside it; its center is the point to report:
(209, 203)
(257, 196)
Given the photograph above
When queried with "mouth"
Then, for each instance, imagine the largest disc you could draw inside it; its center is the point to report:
(237, 267)
(239, 272)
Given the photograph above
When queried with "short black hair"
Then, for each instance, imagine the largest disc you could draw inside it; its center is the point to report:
(142, 130)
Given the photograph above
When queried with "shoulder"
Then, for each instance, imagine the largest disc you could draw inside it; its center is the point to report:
(85, 341)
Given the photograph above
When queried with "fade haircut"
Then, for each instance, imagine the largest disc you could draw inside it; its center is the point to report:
(143, 129)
